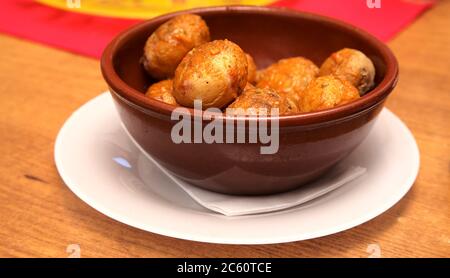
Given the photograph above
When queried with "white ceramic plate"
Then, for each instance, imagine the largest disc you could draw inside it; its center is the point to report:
(100, 164)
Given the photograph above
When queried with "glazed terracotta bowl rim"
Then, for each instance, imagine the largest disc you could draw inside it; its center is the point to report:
(143, 103)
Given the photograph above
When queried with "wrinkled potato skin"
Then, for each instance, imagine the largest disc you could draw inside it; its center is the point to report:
(167, 46)
(214, 72)
(260, 98)
(162, 91)
(251, 69)
(327, 92)
(351, 65)
(291, 75)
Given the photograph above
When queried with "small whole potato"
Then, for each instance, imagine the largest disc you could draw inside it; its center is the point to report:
(351, 65)
(251, 69)
(162, 91)
(172, 40)
(260, 101)
(290, 76)
(214, 72)
(327, 92)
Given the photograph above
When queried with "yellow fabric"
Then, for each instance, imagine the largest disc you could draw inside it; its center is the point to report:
(140, 8)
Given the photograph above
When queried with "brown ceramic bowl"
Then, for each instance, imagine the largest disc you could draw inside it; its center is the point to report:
(310, 143)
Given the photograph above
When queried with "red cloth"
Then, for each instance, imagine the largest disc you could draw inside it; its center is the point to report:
(79, 33)
(88, 34)
(384, 23)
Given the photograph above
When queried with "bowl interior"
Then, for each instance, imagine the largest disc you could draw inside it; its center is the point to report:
(265, 34)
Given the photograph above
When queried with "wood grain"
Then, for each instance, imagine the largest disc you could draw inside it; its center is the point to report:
(39, 216)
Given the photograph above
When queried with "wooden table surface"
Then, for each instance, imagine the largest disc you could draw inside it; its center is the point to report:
(40, 217)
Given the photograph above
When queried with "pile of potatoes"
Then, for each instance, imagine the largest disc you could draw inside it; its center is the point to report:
(220, 74)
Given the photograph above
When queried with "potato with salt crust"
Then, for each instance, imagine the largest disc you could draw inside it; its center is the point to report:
(327, 92)
(214, 72)
(162, 91)
(351, 65)
(289, 76)
(251, 69)
(260, 101)
(172, 40)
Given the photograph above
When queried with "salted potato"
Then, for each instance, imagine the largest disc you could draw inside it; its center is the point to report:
(260, 101)
(251, 69)
(351, 65)
(172, 40)
(214, 72)
(289, 76)
(327, 92)
(162, 91)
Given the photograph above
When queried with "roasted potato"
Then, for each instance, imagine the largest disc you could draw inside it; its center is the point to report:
(162, 91)
(289, 76)
(214, 72)
(172, 40)
(351, 65)
(327, 92)
(251, 69)
(260, 101)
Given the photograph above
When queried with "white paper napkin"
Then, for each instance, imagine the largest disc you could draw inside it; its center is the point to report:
(230, 205)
